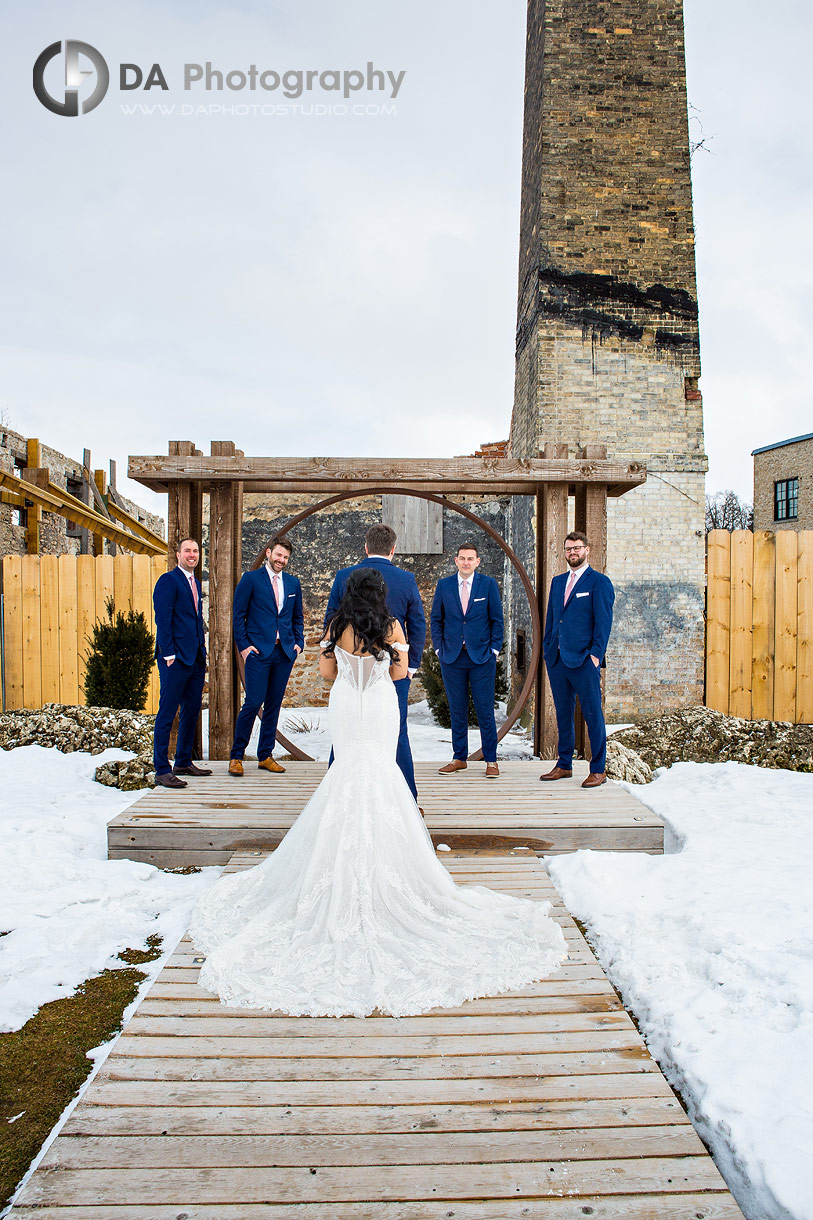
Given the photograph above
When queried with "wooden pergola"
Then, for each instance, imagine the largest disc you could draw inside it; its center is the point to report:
(186, 474)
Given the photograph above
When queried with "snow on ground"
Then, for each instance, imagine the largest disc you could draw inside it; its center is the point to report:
(428, 740)
(711, 947)
(66, 910)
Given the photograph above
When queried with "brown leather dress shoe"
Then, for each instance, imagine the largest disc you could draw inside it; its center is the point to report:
(457, 764)
(235, 766)
(168, 780)
(557, 773)
(191, 770)
(492, 770)
(268, 764)
(595, 779)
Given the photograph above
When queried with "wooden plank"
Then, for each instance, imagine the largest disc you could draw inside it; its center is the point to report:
(371, 1148)
(687, 1206)
(742, 566)
(85, 614)
(109, 1090)
(459, 1067)
(668, 1175)
(68, 632)
(12, 566)
(158, 565)
(718, 619)
(551, 527)
(804, 628)
(104, 569)
(49, 628)
(322, 474)
(109, 1120)
(764, 625)
(32, 664)
(784, 707)
(222, 710)
(123, 583)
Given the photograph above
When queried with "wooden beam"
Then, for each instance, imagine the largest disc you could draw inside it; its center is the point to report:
(591, 519)
(33, 519)
(504, 476)
(551, 527)
(56, 500)
(133, 524)
(222, 675)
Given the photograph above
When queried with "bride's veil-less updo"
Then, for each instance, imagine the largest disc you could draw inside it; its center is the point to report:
(363, 608)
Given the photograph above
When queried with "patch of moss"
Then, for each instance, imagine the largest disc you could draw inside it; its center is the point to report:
(43, 1065)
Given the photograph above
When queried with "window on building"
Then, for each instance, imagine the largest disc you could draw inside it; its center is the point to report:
(19, 516)
(786, 500)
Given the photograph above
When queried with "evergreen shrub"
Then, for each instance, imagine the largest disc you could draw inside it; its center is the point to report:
(119, 660)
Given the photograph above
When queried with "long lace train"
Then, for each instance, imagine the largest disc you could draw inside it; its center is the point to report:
(353, 912)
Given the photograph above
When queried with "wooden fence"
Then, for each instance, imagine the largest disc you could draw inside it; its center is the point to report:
(50, 603)
(759, 624)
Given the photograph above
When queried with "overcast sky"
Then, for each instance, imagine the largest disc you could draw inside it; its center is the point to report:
(346, 283)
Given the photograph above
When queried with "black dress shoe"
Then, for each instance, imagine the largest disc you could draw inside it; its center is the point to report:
(168, 780)
(191, 770)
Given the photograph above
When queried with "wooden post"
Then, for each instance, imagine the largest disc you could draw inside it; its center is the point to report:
(33, 516)
(222, 678)
(180, 497)
(551, 527)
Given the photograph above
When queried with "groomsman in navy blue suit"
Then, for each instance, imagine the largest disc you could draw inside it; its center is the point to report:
(577, 628)
(467, 631)
(268, 626)
(180, 650)
(404, 603)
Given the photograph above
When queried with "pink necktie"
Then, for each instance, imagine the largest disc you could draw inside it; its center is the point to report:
(464, 595)
(194, 592)
(278, 591)
(571, 580)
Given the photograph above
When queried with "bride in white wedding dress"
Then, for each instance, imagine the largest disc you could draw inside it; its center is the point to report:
(353, 913)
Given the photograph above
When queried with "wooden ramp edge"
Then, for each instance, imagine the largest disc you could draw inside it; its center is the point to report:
(542, 1104)
(216, 816)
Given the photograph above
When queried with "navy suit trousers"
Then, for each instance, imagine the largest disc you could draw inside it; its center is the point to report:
(181, 687)
(565, 685)
(265, 687)
(403, 752)
(457, 678)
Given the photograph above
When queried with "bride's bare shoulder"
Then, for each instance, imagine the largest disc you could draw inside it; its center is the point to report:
(395, 635)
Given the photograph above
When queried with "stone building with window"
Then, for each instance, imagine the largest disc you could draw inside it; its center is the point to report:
(783, 484)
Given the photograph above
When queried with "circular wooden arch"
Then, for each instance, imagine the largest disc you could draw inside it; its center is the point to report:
(530, 593)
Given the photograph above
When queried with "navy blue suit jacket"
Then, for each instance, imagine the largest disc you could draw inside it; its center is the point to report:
(581, 628)
(178, 627)
(481, 628)
(255, 619)
(403, 602)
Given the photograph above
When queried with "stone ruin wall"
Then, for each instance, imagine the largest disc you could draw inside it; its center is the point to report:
(333, 538)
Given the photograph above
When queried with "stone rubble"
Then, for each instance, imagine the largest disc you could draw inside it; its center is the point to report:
(699, 734)
(91, 729)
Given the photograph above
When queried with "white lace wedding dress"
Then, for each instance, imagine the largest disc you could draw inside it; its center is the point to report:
(353, 912)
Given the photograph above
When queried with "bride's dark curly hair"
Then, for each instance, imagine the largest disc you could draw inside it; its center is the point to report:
(364, 609)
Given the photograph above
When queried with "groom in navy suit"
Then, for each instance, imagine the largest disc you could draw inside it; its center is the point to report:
(577, 628)
(180, 650)
(268, 626)
(404, 604)
(467, 631)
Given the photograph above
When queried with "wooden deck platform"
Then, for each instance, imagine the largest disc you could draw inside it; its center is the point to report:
(543, 1104)
(214, 817)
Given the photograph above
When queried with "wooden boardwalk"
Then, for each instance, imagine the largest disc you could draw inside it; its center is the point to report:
(217, 816)
(543, 1104)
